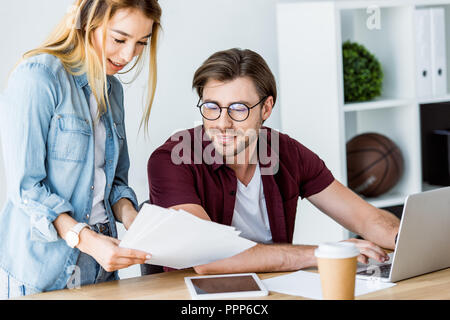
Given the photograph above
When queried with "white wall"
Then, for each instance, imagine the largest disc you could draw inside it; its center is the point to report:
(193, 30)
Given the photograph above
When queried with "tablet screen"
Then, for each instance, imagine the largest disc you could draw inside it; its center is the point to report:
(224, 284)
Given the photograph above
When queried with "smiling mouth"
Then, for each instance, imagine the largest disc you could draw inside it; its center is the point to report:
(225, 139)
(118, 65)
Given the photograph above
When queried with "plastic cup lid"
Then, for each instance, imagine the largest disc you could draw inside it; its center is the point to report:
(337, 250)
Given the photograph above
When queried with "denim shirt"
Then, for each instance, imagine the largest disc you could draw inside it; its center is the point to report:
(48, 148)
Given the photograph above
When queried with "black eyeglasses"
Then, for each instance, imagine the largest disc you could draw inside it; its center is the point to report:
(237, 111)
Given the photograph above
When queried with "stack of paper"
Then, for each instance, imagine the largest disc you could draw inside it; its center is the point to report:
(178, 239)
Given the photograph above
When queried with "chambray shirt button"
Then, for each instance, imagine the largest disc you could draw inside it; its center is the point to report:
(92, 187)
(87, 216)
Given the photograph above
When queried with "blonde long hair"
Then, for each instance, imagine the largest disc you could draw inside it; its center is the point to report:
(71, 41)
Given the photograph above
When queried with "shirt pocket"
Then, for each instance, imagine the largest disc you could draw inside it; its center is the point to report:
(120, 133)
(71, 138)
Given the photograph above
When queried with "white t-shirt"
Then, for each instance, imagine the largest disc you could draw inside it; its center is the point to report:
(98, 213)
(250, 211)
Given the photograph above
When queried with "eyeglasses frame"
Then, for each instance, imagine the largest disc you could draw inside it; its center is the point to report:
(199, 106)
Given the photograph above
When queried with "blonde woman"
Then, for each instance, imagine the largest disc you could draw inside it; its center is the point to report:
(65, 149)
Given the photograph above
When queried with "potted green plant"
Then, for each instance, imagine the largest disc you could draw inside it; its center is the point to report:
(363, 75)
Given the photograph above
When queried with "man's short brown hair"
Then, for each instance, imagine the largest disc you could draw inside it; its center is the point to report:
(234, 63)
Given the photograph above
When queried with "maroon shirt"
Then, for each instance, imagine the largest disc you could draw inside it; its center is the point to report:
(177, 175)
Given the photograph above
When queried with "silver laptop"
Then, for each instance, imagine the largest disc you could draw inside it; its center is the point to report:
(423, 242)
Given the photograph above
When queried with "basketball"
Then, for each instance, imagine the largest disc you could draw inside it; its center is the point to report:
(374, 164)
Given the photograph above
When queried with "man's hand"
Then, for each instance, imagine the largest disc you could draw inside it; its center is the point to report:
(369, 250)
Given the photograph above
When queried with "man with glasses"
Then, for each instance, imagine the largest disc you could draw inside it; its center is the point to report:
(235, 171)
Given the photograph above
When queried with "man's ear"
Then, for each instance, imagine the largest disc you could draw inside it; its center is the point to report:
(267, 108)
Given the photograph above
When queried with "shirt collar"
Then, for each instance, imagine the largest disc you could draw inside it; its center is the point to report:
(82, 81)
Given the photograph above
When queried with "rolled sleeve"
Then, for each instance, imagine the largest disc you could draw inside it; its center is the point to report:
(42, 214)
(121, 191)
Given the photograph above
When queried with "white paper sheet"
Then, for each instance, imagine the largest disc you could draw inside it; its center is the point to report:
(307, 284)
(178, 239)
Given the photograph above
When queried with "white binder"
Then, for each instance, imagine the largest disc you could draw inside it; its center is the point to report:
(423, 52)
(438, 52)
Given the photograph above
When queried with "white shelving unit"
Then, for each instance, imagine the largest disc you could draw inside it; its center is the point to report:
(313, 111)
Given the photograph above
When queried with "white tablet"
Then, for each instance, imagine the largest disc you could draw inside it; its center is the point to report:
(225, 286)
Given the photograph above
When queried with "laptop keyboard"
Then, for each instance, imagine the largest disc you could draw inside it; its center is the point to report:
(382, 271)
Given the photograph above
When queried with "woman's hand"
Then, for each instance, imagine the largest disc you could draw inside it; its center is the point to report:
(106, 251)
(128, 217)
(125, 212)
(369, 250)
